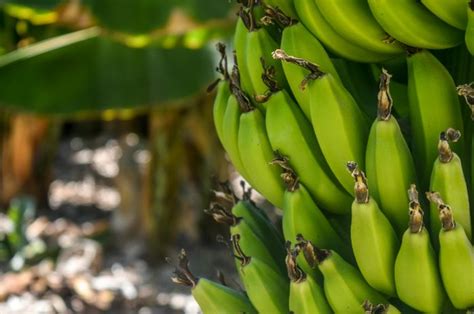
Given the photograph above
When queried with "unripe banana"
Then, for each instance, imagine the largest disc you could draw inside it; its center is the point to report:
(253, 244)
(260, 46)
(306, 296)
(389, 163)
(312, 18)
(267, 289)
(251, 239)
(254, 56)
(469, 36)
(256, 154)
(452, 12)
(448, 179)
(456, 258)
(220, 105)
(411, 23)
(359, 80)
(417, 277)
(292, 135)
(223, 93)
(353, 20)
(301, 215)
(297, 40)
(270, 236)
(336, 118)
(344, 286)
(254, 216)
(374, 241)
(212, 297)
(434, 107)
(231, 121)
(240, 47)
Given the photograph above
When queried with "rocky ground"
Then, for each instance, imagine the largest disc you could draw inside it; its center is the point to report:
(83, 253)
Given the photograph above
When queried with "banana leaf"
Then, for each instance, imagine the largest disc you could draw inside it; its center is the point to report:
(144, 16)
(134, 17)
(34, 4)
(131, 17)
(84, 71)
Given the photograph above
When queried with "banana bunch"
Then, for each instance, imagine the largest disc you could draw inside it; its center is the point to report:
(338, 112)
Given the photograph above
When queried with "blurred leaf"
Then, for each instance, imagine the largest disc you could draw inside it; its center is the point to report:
(35, 4)
(134, 17)
(202, 10)
(37, 16)
(83, 71)
(144, 16)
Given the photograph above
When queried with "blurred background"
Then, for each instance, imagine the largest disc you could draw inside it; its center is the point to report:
(108, 152)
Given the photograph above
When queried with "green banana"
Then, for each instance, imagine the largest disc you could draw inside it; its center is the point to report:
(231, 121)
(374, 242)
(240, 47)
(363, 88)
(417, 277)
(411, 23)
(353, 20)
(301, 215)
(310, 15)
(220, 105)
(370, 308)
(452, 12)
(344, 286)
(390, 166)
(434, 107)
(271, 237)
(212, 297)
(258, 59)
(256, 154)
(456, 260)
(223, 93)
(254, 52)
(297, 40)
(306, 296)
(252, 240)
(245, 209)
(469, 35)
(291, 135)
(448, 179)
(336, 118)
(267, 289)
(253, 244)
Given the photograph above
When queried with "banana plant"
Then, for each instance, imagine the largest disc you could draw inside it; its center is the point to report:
(134, 57)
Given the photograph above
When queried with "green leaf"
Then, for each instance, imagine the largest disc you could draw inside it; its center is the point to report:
(83, 71)
(134, 17)
(202, 10)
(36, 4)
